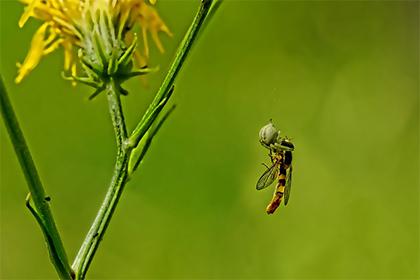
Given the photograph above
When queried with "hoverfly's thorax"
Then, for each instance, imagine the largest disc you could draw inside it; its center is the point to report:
(287, 143)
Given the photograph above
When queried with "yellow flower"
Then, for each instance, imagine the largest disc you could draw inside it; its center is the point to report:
(100, 32)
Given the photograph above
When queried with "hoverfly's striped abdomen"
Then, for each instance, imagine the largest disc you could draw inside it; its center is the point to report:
(278, 195)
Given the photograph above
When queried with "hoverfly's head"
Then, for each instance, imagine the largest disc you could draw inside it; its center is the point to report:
(268, 134)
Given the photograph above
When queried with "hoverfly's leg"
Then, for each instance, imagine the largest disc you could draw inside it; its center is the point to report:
(279, 191)
(270, 155)
(282, 147)
(265, 145)
(266, 166)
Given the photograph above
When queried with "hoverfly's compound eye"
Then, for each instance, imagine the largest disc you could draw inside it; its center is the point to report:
(268, 134)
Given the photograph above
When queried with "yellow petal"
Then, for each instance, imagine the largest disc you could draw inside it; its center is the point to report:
(141, 62)
(29, 11)
(52, 47)
(68, 54)
(157, 41)
(73, 74)
(150, 21)
(139, 59)
(34, 55)
(145, 41)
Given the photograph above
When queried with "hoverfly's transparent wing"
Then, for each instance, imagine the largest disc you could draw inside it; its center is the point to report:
(288, 187)
(268, 177)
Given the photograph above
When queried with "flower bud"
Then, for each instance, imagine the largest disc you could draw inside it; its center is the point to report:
(268, 134)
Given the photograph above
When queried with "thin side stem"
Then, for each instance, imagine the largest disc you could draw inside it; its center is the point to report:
(144, 145)
(101, 222)
(180, 56)
(41, 209)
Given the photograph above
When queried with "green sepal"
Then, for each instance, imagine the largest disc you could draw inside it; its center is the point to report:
(97, 92)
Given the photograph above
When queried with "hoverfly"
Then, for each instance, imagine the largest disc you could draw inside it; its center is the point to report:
(281, 168)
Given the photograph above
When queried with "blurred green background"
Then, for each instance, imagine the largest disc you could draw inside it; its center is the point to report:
(340, 78)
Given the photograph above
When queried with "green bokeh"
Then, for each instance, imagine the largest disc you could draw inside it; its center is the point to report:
(339, 77)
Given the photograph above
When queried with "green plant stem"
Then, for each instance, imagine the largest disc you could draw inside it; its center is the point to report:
(117, 116)
(41, 211)
(101, 222)
(126, 145)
